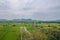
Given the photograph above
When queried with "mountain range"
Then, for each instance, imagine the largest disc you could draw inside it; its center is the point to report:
(26, 20)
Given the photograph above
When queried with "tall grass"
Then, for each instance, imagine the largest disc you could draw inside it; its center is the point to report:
(50, 33)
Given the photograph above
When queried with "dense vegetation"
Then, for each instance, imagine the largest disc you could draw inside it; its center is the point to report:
(38, 31)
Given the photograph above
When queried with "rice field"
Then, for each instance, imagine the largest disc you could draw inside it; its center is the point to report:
(29, 31)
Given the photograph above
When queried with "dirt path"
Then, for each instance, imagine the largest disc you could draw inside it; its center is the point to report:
(22, 30)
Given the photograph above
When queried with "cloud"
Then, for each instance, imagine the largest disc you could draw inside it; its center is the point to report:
(46, 16)
(12, 14)
(34, 9)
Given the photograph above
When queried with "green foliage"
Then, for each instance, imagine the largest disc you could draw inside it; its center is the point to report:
(39, 31)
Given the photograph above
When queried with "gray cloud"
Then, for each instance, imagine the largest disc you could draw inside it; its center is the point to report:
(46, 16)
(4, 5)
(34, 9)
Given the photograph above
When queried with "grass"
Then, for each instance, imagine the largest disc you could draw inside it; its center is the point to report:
(39, 31)
(8, 31)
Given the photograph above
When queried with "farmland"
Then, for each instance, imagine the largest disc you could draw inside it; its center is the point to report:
(35, 31)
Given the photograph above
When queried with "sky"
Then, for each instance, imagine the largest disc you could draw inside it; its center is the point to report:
(30, 9)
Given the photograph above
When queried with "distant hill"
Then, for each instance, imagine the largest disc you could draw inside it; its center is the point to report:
(25, 20)
(57, 20)
(3, 20)
(54, 21)
(17, 20)
(22, 20)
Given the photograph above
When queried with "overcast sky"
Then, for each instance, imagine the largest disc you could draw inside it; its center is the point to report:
(30, 9)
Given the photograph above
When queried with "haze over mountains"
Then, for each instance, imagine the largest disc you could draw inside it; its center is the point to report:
(26, 20)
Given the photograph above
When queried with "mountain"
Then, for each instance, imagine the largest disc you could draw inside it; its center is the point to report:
(57, 20)
(27, 20)
(3, 20)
